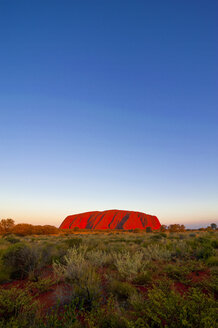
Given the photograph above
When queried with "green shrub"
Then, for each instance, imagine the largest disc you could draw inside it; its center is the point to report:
(129, 265)
(42, 285)
(74, 264)
(157, 236)
(11, 239)
(20, 259)
(87, 289)
(212, 261)
(214, 243)
(113, 320)
(122, 290)
(179, 249)
(157, 252)
(4, 275)
(51, 252)
(99, 258)
(73, 242)
(167, 308)
(211, 284)
(214, 271)
(107, 317)
(204, 251)
(137, 302)
(79, 273)
(61, 317)
(17, 304)
(176, 272)
(84, 291)
(137, 241)
(143, 278)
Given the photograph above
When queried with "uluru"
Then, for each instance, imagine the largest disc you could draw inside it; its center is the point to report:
(111, 219)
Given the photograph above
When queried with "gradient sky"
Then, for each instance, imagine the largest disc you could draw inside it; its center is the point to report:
(109, 104)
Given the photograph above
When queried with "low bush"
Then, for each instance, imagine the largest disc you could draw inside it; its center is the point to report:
(17, 305)
(21, 259)
(42, 285)
(73, 265)
(210, 285)
(157, 252)
(143, 278)
(212, 261)
(179, 249)
(73, 242)
(176, 272)
(87, 289)
(214, 243)
(4, 275)
(109, 316)
(51, 252)
(167, 308)
(204, 249)
(61, 317)
(157, 236)
(12, 239)
(99, 258)
(80, 274)
(122, 290)
(129, 266)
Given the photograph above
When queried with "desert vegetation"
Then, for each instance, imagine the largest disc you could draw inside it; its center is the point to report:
(108, 279)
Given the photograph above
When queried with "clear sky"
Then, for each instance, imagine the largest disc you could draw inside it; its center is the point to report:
(109, 105)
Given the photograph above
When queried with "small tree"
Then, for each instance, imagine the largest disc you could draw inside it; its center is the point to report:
(213, 226)
(182, 228)
(6, 225)
(176, 228)
(137, 230)
(163, 228)
(23, 229)
(148, 229)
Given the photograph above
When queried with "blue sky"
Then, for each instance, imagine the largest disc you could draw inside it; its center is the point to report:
(109, 104)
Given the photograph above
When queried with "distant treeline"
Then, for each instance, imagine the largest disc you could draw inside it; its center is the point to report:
(8, 226)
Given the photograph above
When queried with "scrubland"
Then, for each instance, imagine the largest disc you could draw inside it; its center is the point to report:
(109, 280)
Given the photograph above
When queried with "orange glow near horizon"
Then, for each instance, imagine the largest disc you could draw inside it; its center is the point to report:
(57, 218)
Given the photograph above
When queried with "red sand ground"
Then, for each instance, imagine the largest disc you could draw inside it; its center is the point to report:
(49, 298)
(199, 276)
(111, 219)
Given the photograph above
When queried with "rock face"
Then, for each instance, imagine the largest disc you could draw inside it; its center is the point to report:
(111, 219)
